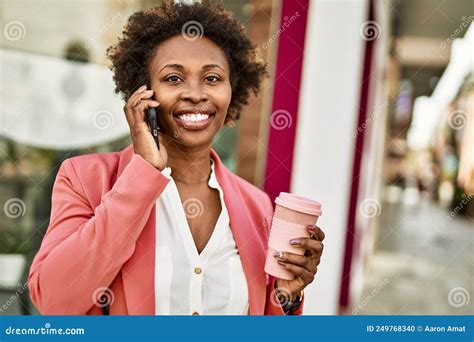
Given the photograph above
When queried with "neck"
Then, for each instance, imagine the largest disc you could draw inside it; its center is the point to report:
(189, 164)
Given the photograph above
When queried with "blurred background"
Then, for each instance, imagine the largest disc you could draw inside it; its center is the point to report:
(369, 109)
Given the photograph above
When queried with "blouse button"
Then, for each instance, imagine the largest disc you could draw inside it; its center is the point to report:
(197, 270)
(195, 313)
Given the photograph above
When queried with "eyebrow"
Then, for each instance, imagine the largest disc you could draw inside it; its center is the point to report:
(181, 67)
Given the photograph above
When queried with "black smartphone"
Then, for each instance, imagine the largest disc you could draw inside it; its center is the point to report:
(153, 122)
(152, 117)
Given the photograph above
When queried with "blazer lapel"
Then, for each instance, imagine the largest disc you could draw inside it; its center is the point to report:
(138, 272)
(248, 243)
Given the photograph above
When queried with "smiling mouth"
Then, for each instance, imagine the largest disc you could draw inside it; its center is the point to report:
(193, 117)
(194, 121)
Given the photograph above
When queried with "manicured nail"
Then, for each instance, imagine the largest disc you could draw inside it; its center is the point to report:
(142, 87)
(281, 263)
(278, 255)
(295, 241)
(311, 227)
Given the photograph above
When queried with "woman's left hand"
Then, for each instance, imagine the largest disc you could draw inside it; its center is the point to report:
(304, 267)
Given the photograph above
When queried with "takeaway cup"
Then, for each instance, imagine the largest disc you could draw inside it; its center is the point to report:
(292, 215)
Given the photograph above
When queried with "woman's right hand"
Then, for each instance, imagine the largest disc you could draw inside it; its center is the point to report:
(144, 144)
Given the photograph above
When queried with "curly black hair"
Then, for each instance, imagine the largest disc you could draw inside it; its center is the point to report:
(145, 30)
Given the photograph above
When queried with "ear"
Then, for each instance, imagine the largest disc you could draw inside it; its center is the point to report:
(229, 120)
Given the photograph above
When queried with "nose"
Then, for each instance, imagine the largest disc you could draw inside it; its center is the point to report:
(194, 92)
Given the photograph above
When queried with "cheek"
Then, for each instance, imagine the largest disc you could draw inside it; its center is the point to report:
(165, 97)
(223, 97)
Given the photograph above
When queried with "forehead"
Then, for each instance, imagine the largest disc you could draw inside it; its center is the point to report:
(189, 53)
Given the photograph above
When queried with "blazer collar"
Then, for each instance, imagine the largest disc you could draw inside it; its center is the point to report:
(138, 272)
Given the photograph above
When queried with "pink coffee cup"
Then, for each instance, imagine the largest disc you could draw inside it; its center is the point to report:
(292, 215)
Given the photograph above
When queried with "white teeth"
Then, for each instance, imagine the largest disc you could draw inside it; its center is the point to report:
(193, 117)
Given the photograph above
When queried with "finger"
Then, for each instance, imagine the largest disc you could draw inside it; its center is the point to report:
(316, 232)
(312, 253)
(143, 89)
(299, 271)
(128, 107)
(314, 257)
(320, 233)
(137, 92)
(139, 111)
(295, 259)
(145, 104)
(138, 98)
(308, 243)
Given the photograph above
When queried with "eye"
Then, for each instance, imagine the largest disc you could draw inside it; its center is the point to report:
(173, 78)
(212, 78)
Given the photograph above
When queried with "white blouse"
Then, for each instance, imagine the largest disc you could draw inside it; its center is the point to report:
(189, 283)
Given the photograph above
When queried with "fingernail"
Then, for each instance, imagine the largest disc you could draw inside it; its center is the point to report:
(295, 241)
(281, 263)
(278, 255)
(142, 87)
(311, 227)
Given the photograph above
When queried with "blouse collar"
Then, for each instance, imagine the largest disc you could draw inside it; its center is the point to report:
(213, 183)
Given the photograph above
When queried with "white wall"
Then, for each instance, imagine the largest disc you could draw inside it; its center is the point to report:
(327, 117)
(47, 27)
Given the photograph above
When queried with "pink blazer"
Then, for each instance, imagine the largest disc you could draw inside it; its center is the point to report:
(102, 235)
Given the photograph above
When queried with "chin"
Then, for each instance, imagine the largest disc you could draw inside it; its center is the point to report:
(183, 137)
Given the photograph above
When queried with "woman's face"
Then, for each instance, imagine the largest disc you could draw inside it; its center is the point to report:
(191, 80)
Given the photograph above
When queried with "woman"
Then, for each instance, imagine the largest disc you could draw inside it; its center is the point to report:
(150, 231)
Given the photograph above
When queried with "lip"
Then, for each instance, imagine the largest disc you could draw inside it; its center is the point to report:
(194, 126)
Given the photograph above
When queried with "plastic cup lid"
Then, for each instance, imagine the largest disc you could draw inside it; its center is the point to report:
(299, 203)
